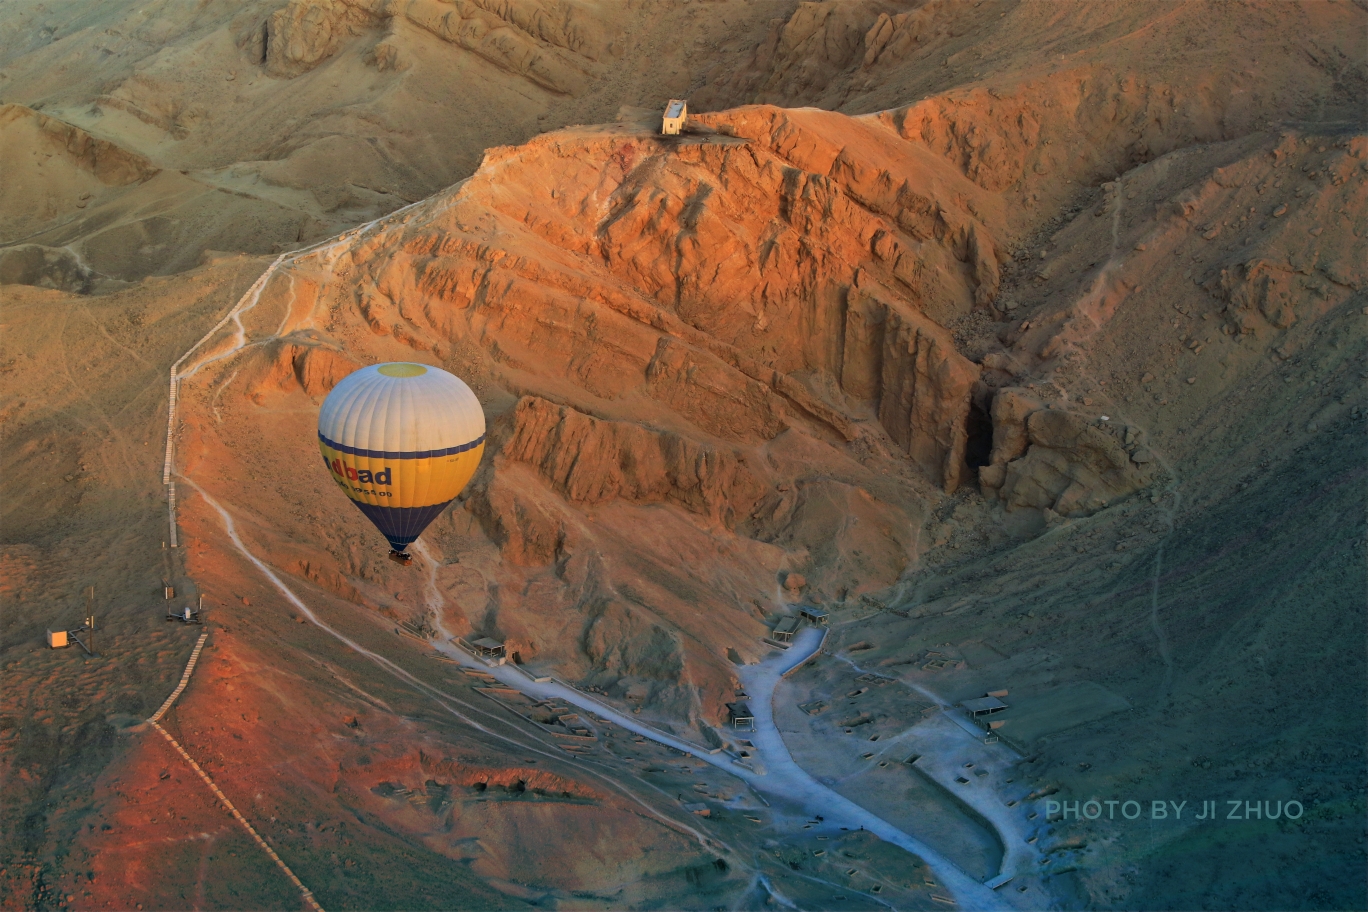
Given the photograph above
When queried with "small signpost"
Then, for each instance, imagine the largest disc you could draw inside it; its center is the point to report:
(87, 629)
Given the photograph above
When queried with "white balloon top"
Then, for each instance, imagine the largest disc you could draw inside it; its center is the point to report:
(401, 408)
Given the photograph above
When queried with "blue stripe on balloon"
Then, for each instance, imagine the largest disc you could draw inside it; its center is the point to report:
(388, 454)
(401, 525)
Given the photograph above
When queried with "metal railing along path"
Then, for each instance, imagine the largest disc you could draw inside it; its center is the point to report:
(248, 300)
(185, 679)
(237, 815)
(154, 721)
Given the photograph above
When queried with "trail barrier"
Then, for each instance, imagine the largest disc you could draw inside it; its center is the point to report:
(154, 721)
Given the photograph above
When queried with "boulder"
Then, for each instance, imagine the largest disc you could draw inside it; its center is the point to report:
(1009, 410)
(301, 35)
(1070, 467)
(1259, 287)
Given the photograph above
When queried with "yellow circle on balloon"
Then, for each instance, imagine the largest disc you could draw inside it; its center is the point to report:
(403, 370)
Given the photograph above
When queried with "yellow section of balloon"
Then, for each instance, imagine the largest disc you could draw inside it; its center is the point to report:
(386, 482)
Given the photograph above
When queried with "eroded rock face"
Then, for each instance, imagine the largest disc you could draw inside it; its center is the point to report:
(590, 461)
(624, 640)
(924, 397)
(301, 359)
(528, 527)
(304, 33)
(45, 267)
(1069, 465)
(711, 275)
(1009, 410)
(549, 44)
(319, 368)
(111, 164)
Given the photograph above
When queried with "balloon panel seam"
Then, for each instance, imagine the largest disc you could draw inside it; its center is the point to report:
(391, 454)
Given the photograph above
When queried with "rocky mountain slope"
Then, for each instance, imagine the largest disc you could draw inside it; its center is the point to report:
(1035, 342)
(256, 127)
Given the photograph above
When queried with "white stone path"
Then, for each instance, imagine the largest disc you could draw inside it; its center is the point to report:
(783, 780)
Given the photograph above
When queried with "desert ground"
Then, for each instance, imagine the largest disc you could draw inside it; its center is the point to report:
(1026, 340)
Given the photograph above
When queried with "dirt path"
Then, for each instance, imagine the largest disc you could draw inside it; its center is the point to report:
(785, 777)
(154, 721)
(944, 743)
(781, 779)
(1171, 502)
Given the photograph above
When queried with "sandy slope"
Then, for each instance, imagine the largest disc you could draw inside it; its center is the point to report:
(258, 126)
(876, 350)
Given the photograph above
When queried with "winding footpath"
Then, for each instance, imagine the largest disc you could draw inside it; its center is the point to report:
(783, 779)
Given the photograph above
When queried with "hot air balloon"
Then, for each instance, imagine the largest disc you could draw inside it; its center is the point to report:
(401, 440)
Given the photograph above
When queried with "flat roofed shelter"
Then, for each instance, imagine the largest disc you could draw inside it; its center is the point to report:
(676, 115)
(488, 648)
(814, 615)
(786, 628)
(984, 706)
(739, 715)
(57, 639)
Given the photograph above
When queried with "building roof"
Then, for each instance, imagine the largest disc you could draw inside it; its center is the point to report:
(675, 108)
(487, 643)
(813, 611)
(740, 711)
(984, 705)
(786, 625)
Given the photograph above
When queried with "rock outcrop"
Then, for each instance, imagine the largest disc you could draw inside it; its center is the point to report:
(304, 33)
(111, 164)
(549, 44)
(1051, 459)
(301, 360)
(45, 267)
(590, 461)
(792, 253)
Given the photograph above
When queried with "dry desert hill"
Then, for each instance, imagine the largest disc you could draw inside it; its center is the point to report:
(1023, 340)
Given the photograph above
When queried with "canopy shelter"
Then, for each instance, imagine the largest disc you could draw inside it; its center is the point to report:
(488, 648)
(786, 628)
(739, 715)
(983, 706)
(186, 615)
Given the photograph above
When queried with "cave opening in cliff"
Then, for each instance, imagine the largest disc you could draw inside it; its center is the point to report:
(979, 445)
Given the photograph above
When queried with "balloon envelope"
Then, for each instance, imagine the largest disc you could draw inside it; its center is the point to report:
(401, 440)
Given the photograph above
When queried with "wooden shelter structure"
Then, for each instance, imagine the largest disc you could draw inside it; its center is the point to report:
(784, 630)
(739, 716)
(487, 648)
(983, 706)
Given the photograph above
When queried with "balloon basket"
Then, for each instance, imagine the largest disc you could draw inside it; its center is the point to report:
(400, 557)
